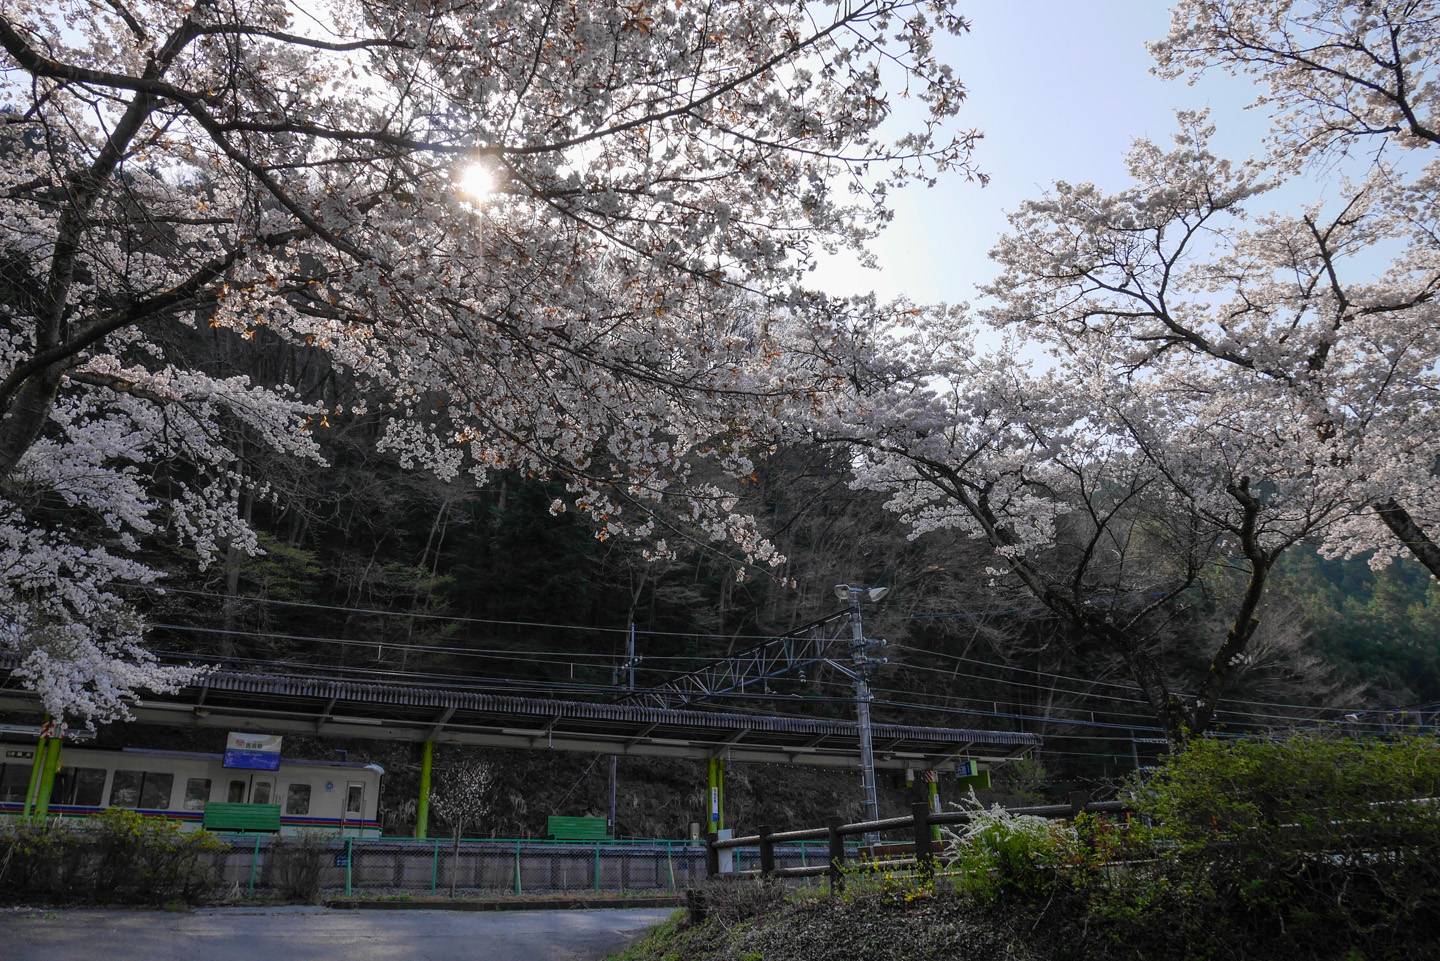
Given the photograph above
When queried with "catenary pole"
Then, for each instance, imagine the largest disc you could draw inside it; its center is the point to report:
(860, 655)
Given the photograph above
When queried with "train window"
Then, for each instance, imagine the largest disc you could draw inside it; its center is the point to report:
(14, 779)
(89, 786)
(79, 785)
(125, 789)
(155, 794)
(260, 793)
(236, 793)
(197, 792)
(354, 800)
(141, 789)
(297, 799)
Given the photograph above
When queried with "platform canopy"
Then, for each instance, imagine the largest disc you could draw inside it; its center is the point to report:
(331, 707)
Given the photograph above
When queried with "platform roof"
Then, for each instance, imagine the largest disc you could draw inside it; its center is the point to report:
(342, 708)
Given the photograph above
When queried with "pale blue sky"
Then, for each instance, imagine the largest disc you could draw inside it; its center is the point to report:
(1059, 89)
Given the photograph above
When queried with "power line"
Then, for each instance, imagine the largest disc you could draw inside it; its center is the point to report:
(454, 618)
(562, 657)
(1123, 686)
(496, 653)
(513, 685)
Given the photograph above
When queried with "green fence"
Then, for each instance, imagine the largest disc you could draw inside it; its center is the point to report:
(487, 867)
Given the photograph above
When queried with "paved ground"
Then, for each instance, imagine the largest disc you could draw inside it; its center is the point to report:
(317, 934)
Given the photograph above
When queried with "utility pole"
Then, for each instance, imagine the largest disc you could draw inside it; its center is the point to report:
(630, 660)
(860, 647)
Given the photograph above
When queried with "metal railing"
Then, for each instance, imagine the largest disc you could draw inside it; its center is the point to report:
(252, 866)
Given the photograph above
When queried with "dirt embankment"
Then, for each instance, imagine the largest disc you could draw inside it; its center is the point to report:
(872, 926)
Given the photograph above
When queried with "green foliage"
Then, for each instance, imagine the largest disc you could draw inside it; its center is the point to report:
(1381, 626)
(999, 854)
(117, 857)
(1294, 795)
(1306, 848)
(1310, 845)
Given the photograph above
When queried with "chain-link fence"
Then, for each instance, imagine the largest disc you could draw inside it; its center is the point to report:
(481, 867)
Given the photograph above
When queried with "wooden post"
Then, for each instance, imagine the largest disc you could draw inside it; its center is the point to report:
(924, 842)
(712, 858)
(767, 854)
(837, 855)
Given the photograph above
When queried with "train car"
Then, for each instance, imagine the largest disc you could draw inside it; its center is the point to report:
(335, 797)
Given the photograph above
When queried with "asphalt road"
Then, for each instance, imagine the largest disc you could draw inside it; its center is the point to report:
(317, 934)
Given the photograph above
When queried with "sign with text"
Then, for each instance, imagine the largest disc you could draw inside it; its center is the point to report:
(257, 752)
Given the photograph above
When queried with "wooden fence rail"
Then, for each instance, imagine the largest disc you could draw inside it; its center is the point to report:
(918, 852)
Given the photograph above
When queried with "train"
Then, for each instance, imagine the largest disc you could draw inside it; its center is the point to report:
(339, 798)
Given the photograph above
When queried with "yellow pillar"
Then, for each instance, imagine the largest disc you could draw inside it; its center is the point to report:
(422, 807)
(47, 780)
(37, 769)
(715, 816)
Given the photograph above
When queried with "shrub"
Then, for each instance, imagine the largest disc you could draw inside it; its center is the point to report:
(997, 853)
(738, 899)
(297, 866)
(116, 857)
(1311, 846)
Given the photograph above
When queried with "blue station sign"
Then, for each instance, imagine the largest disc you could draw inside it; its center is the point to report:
(256, 752)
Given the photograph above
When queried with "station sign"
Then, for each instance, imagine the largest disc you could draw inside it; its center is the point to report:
(256, 752)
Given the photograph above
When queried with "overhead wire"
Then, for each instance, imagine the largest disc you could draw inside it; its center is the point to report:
(1125, 686)
(551, 658)
(460, 619)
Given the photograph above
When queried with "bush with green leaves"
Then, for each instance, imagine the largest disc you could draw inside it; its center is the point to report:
(116, 857)
(997, 853)
(1306, 848)
(1326, 841)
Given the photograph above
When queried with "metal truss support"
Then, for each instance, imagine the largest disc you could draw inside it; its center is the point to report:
(789, 654)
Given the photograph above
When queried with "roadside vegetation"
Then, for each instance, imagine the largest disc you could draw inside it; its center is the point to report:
(116, 857)
(1307, 848)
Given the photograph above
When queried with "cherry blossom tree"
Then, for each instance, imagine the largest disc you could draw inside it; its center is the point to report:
(465, 799)
(1260, 377)
(1337, 73)
(568, 240)
(1125, 505)
(1344, 77)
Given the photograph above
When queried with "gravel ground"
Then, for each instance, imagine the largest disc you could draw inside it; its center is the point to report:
(872, 928)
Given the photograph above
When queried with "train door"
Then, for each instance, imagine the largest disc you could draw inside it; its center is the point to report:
(354, 801)
(262, 789)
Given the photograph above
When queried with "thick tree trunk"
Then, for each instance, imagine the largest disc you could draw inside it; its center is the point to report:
(1416, 541)
(26, 416)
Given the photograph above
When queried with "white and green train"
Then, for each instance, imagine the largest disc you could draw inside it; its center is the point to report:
(334, 797)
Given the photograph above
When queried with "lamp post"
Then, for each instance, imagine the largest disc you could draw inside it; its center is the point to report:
(860, 647)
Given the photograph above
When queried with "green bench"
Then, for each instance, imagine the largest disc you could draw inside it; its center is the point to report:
(242, 817)
(576, 829)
